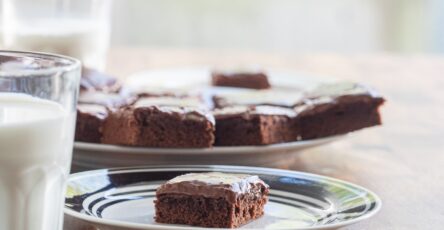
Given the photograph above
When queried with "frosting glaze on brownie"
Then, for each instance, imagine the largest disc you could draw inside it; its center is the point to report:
(333, 93)
(214, 185)
(248, 111)
(170, 101)
(98, 111)
(106, 99)
(93, 80)
(188, 108)
(284, 98)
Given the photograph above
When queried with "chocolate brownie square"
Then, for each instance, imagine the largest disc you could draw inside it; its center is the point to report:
(245, 79)
(90, 119)
(338, 108)
(217, 200)
(255, 125)
(161, 122)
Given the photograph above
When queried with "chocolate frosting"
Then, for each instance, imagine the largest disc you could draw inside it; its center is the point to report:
(248, 111)
(283, 98)
(105, 99)
(214, 185)
(326, 95)
(93, 80)
(331, 91)
(170, 101)
(187, 108)
(98, 111)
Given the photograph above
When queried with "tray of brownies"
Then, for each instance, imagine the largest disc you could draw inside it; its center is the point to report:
(207, 116)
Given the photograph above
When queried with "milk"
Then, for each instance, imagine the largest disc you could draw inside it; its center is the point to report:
(85, 40)
(36, 138)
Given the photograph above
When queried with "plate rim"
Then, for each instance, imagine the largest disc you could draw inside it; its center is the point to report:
(98, 147)
(272, 171)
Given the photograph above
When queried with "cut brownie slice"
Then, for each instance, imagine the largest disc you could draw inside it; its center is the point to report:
(251, 80)
(218, 200)
(274, 97)
(161, 122)
(255, 125)
(89, 123)
(338, 108)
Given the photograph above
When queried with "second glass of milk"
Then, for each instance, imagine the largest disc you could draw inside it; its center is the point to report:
(38, 96)
(76, 28)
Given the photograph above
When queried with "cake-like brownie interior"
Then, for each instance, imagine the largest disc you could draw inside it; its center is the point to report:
(244, 79)
(212, 199)
(89, 123)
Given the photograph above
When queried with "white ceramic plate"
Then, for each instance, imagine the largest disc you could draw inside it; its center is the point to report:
(89, 156)
(123, 199)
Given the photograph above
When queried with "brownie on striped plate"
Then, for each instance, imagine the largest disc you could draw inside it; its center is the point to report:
(214, 199)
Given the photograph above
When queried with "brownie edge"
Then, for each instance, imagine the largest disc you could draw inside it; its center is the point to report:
(251, 80)
(214, 199)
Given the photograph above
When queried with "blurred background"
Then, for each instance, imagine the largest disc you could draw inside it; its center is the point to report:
(86, 28)
(293, 26)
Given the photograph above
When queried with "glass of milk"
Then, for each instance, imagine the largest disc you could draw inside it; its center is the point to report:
(38, 96)
(76, 28)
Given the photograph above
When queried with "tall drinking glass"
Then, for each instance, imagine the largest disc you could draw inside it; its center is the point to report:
(76, 28)
(38, 96)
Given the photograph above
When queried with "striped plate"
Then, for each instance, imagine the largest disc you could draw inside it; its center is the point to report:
(123, 198)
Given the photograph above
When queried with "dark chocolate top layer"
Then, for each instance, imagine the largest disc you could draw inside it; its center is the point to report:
(214, 185)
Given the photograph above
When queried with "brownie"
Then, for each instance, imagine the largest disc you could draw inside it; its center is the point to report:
(218, 200)
(161, 122)
(338, 108)
(242, 79)
(93, 80)
(274, 97)
(255, 125)
(90, 119)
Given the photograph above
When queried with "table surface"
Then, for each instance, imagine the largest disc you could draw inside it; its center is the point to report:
(402, 161)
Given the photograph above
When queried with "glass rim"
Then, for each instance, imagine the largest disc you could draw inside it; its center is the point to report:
(69, 63)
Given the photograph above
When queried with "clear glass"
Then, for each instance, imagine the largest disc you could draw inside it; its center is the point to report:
(38, 96)
(76, 28)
